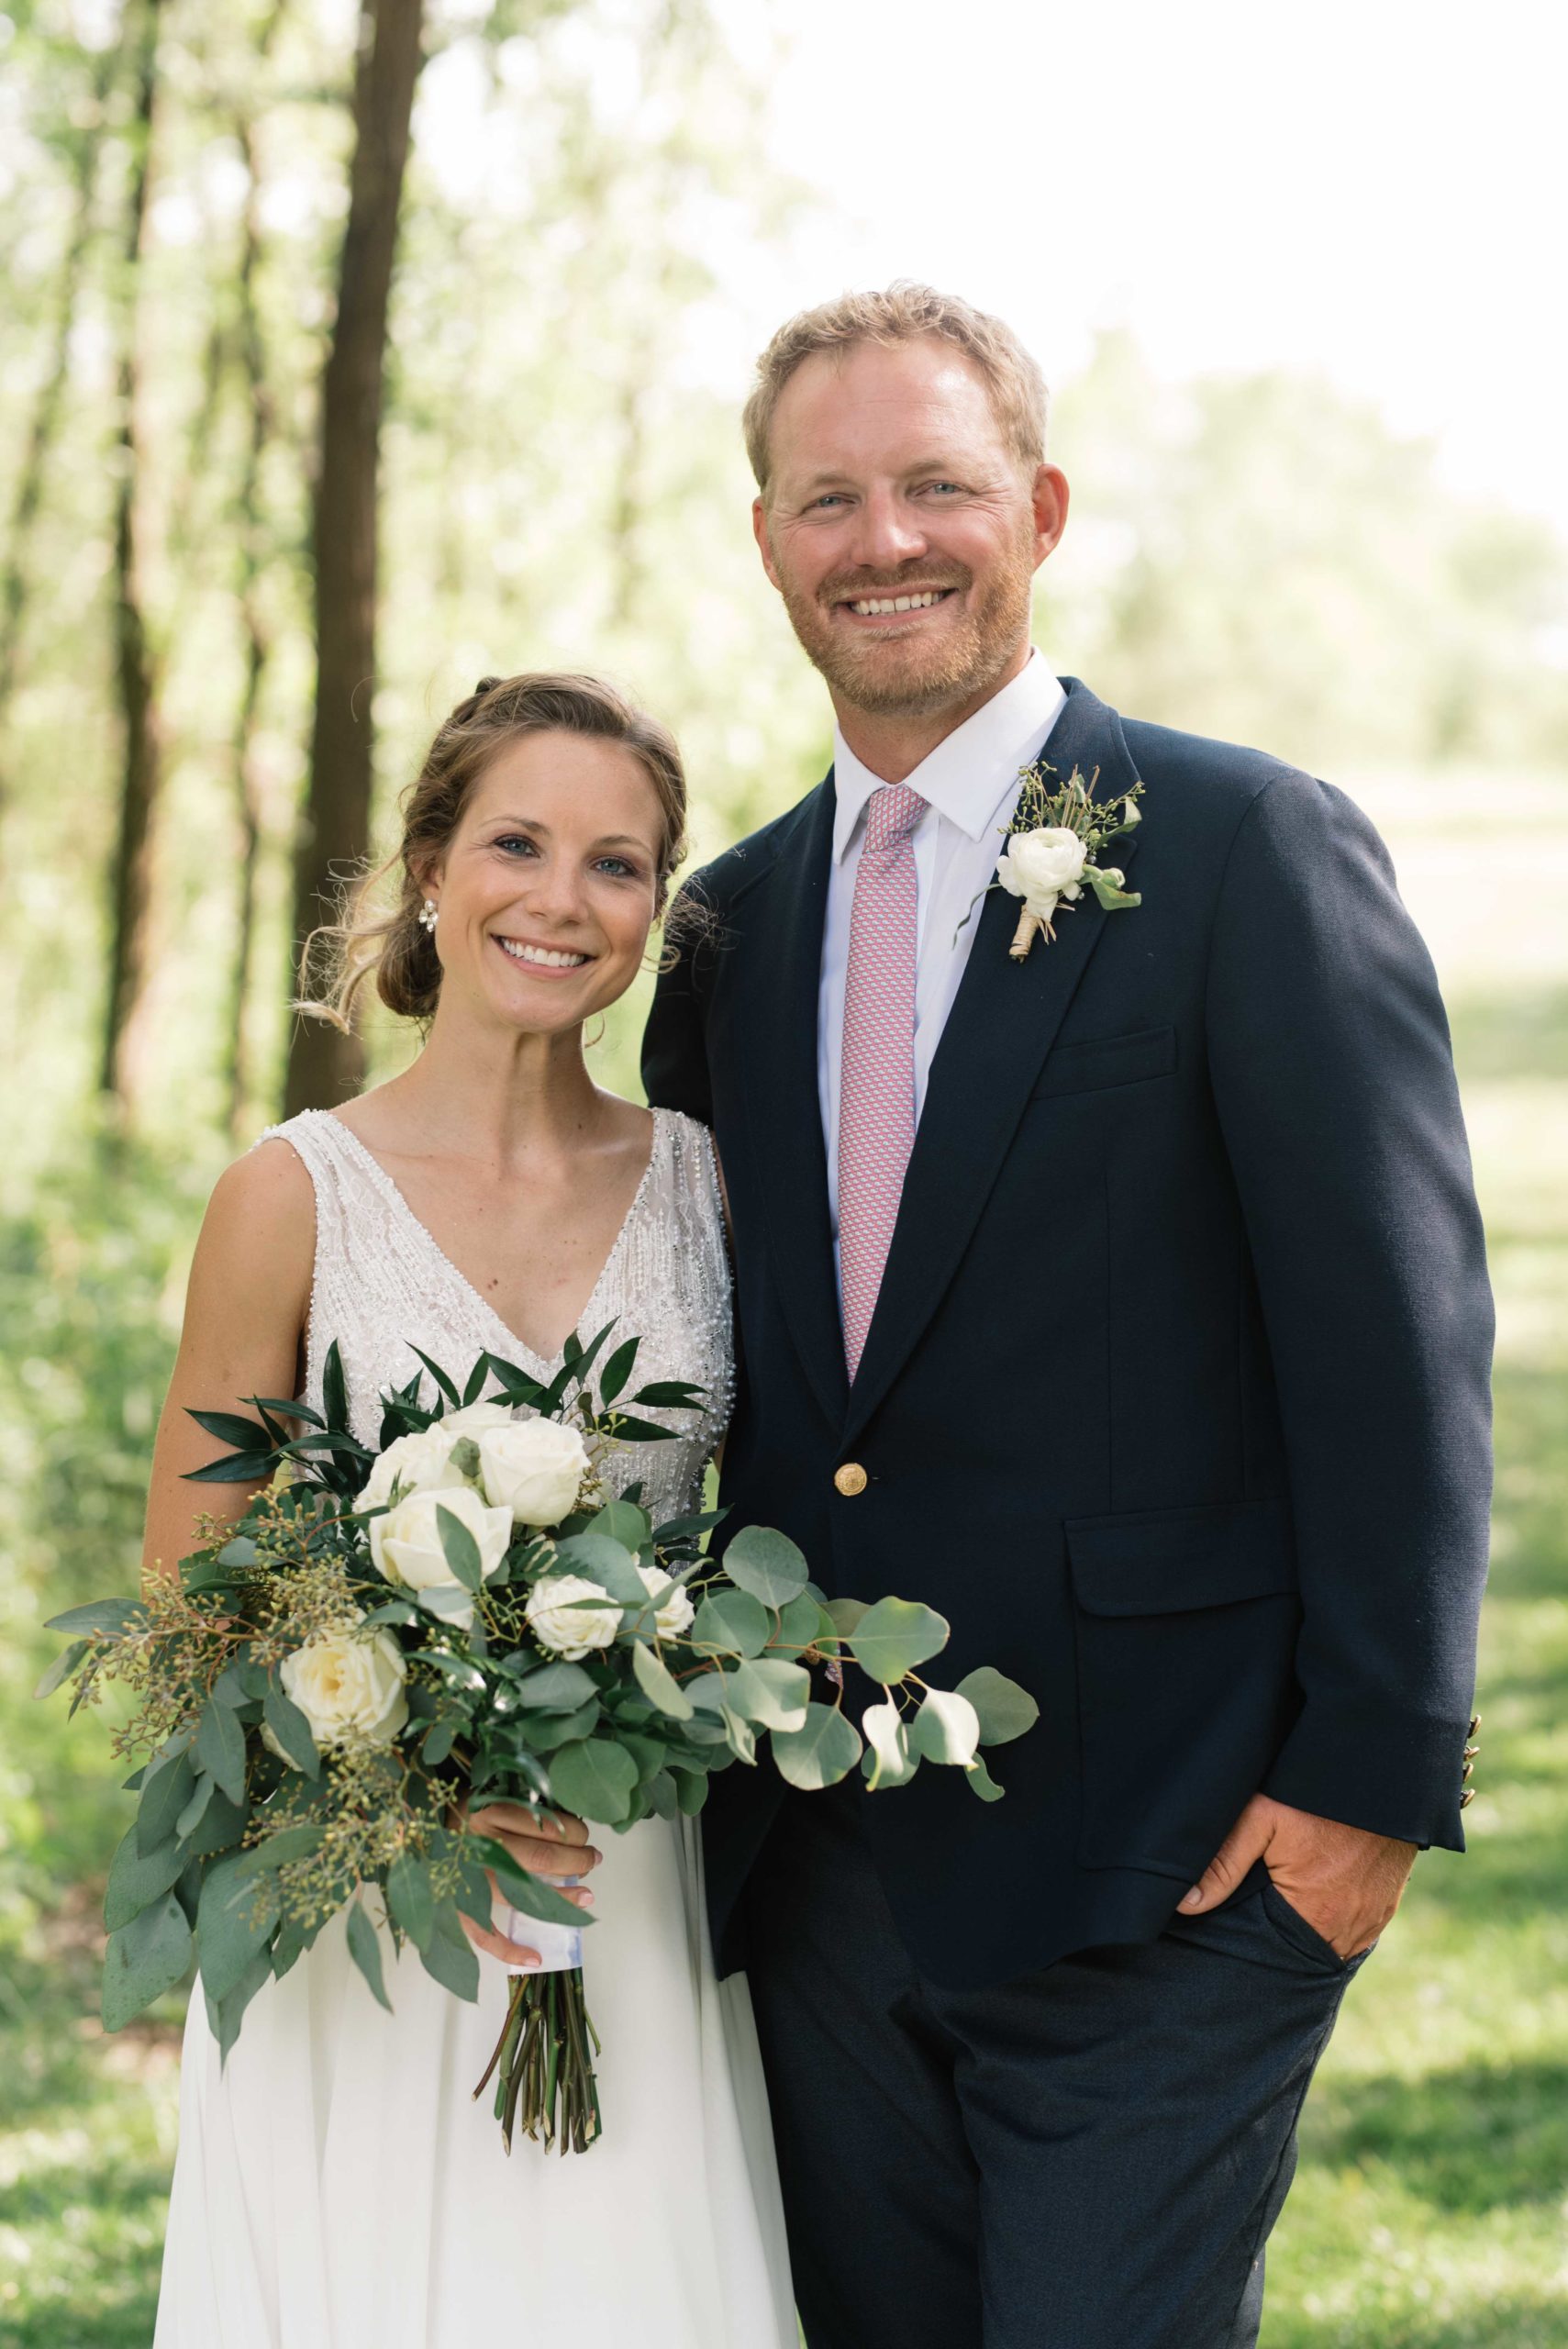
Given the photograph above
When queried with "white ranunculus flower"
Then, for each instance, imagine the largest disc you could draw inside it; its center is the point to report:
(349, 1684)
(534, 1467)
(676, 1616)
(474, 1417)
(407, 1543)
(421, 1462)
(1041, 866)
(566, 1628)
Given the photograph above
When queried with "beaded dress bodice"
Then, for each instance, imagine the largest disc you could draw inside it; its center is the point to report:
(381, 1286)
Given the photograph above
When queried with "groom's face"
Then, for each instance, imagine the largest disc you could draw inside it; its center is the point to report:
(890, 479)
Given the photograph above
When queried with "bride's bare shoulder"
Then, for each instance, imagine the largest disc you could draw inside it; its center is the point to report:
(259, 1227)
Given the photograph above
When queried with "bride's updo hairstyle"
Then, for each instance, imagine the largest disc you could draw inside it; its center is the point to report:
(391, 945)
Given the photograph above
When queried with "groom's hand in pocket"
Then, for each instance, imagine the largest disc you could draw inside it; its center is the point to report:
(547, 1843)
(1345, 1882)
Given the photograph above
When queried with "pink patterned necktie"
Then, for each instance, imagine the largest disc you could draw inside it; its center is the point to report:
(876, 1095)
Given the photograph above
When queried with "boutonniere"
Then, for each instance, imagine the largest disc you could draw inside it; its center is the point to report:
(1052, 843)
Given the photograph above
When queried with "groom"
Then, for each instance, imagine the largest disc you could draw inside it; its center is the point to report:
(1126, 1302)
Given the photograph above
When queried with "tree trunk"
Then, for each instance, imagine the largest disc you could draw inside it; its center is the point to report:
(324, 1066)
(131, 875)
(256, 548)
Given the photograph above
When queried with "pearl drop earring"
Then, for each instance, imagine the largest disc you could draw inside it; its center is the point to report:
(428, 915)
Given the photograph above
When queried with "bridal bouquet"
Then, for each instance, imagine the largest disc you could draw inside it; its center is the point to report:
(465, 1616)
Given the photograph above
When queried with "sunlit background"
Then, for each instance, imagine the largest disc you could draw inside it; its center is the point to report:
(1294, 274)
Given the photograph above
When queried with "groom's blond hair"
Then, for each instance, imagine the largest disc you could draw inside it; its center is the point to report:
(902, 314)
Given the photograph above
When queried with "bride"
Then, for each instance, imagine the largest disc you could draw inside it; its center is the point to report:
(336, 2186)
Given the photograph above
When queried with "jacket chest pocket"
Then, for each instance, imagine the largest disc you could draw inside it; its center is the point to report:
(1185, 1624)
(1101, 1060)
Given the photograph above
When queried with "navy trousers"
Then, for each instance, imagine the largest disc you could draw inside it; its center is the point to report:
(1089, 2157)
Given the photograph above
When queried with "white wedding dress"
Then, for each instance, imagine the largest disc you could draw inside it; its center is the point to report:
(336, 2186)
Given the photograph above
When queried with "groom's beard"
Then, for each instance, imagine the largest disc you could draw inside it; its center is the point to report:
(916, 676)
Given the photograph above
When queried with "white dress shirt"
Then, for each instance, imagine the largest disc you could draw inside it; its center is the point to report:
(970, 781)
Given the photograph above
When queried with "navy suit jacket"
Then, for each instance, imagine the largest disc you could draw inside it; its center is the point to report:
(1175, 1398)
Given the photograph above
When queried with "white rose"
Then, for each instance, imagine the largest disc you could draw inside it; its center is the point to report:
(349, 1684)
(534, 1467)
(676, 1616)
(476, 1417)
(563, 1626)
(1041, 866)
(419, 1463)
(407, 1543)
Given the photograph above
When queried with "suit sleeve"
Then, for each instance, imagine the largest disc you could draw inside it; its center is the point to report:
(674, 1051)
(1331, 1070)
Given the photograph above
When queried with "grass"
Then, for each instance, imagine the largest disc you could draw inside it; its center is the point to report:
(1429, 2209)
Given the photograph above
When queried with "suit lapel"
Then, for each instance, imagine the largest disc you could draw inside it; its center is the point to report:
(783, 963)
(1002, 1025)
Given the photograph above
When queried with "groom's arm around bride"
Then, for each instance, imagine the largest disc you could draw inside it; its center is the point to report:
(1128, 1300)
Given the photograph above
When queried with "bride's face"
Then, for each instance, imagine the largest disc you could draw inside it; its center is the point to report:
(550, 885)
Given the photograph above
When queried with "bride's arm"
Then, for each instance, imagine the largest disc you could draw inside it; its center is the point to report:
(245, 1313)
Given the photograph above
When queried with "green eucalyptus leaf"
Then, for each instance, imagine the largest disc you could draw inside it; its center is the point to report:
(225, 2015)
(365, 1948)
(138, 1877)
(556, 1688)
(1108, 888)
(221, 1747)
(888, 1761)
(166, 1789)
(894, 1636)
(105, 1618)
(145, 1958)
(65, 1665)
(235, 1920)
(291, 1729)
(821, 1751)
(946, 1728)
(279, 1849)
(771, 1692)
(603, 1561)
(1005, 1710)
(410, 1897)
(593, 1779)
(547, 1733)
(451, 1956)
(690, 1790)
(624, 1522)
(767, 1564)
(801, 1624)
(659, 1684)
(845, 1614)
(732, 1621)
(222, 1823)
(741, 1737)
(984, 1785)
(661, 1794)
(196, 1809)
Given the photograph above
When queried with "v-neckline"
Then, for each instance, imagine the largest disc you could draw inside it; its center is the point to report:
(392, 1192)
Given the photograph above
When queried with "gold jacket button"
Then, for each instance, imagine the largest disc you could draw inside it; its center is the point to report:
(850, 1479)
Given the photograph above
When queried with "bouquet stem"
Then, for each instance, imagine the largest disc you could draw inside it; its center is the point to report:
(543, 2064)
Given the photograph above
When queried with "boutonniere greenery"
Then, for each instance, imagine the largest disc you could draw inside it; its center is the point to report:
(1057, 833)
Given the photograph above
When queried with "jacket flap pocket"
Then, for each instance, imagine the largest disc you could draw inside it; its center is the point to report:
(1157, 1561)
(1108, 1059)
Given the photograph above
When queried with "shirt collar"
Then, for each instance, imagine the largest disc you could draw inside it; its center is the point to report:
(963, 776)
